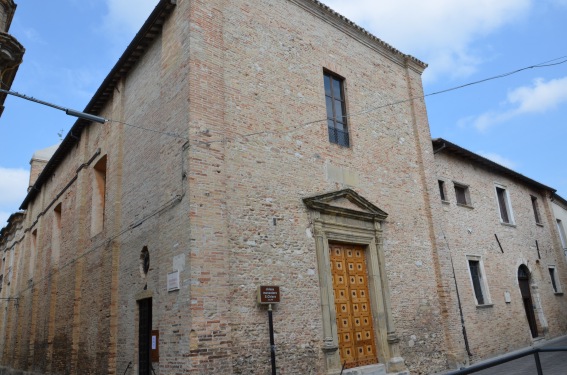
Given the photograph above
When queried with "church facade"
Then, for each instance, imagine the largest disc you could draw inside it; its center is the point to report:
(256, 144)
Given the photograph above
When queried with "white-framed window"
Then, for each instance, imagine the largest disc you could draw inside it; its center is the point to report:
(554, 280)
(561, 231)
(478, 280)
(462, 194)
(504, 206)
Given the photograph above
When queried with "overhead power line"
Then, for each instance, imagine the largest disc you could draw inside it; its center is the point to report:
(544, 64)
(102, 120)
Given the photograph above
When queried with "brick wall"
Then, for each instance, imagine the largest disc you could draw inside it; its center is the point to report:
(222, 142)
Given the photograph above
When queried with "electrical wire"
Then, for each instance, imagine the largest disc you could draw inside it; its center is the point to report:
(544, 64)
(174, 135)
(296, 127)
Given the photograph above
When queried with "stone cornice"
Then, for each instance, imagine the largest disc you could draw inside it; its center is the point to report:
(560, 201)
(10, 8)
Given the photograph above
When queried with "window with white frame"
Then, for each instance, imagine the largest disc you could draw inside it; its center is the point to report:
(478, 280)
(503, 198)
(561, 231)
(554, 279)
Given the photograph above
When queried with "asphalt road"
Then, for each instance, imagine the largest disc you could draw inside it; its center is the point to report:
(554, 363)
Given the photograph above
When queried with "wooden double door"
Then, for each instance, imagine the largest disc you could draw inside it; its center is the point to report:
(355, 329)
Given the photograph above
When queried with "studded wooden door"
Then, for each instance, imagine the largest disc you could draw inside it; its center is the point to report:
(352, 303)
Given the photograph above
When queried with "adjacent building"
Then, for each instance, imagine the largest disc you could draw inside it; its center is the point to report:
(559, 206)
(255, 144)
(506, 259)
(11, 51)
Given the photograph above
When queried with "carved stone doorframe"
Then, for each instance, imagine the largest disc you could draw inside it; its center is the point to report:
(346, 217)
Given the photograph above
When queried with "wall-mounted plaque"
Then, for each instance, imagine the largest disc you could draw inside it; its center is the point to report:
(173, 281)
(268, 294)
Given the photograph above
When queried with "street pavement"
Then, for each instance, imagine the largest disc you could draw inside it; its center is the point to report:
(553, 363)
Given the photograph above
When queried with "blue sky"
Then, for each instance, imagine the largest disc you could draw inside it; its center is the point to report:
(519, 121)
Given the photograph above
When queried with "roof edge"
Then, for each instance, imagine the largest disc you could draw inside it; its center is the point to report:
(135, 49)
(321, 10)
(562, 201)
(442, 145)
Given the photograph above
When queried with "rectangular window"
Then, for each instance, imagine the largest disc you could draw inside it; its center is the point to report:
(478, 281)
(33, 251)
(462, 194)
(504, 205)
(56, 235)
(442, 190)
(554, 280)
(336, 109)
(561, 231)
(536, 210)
(98, 196)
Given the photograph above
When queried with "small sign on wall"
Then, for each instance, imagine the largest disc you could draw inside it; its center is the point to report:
(154, 349)
(173, 281)
(268, 294)
(507, 297)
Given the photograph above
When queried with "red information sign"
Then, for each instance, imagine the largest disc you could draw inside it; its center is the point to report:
(268, 294)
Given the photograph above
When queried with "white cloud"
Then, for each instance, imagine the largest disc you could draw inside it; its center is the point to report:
(539, 97)
(13, 190)
(125, 17)
(440, 32)
(498, 159)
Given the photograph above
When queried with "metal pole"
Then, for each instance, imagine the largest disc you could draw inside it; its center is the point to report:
(70, 112)
(272, 344)
(538, 363)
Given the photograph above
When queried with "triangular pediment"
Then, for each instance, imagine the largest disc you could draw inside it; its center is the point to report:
(345, 202)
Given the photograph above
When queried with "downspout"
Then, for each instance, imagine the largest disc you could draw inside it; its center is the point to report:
(465, 337)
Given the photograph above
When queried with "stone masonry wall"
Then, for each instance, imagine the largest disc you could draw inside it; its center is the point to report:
(215, 137)
(501, 326)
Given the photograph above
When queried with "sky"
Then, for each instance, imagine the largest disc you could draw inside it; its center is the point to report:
(518, 120)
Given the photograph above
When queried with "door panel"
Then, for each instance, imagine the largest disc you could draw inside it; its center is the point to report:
(352, 303)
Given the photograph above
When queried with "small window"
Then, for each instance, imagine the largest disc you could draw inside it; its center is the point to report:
(554, 280)
(98, 196)
(535, 206)
(336, 109)
(478, 281)
(56, 234)
(462, 194)
(33, 252)
(561, 231)
(504, 205)
(442, 190)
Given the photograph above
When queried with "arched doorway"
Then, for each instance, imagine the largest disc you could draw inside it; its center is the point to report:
(524, 282)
